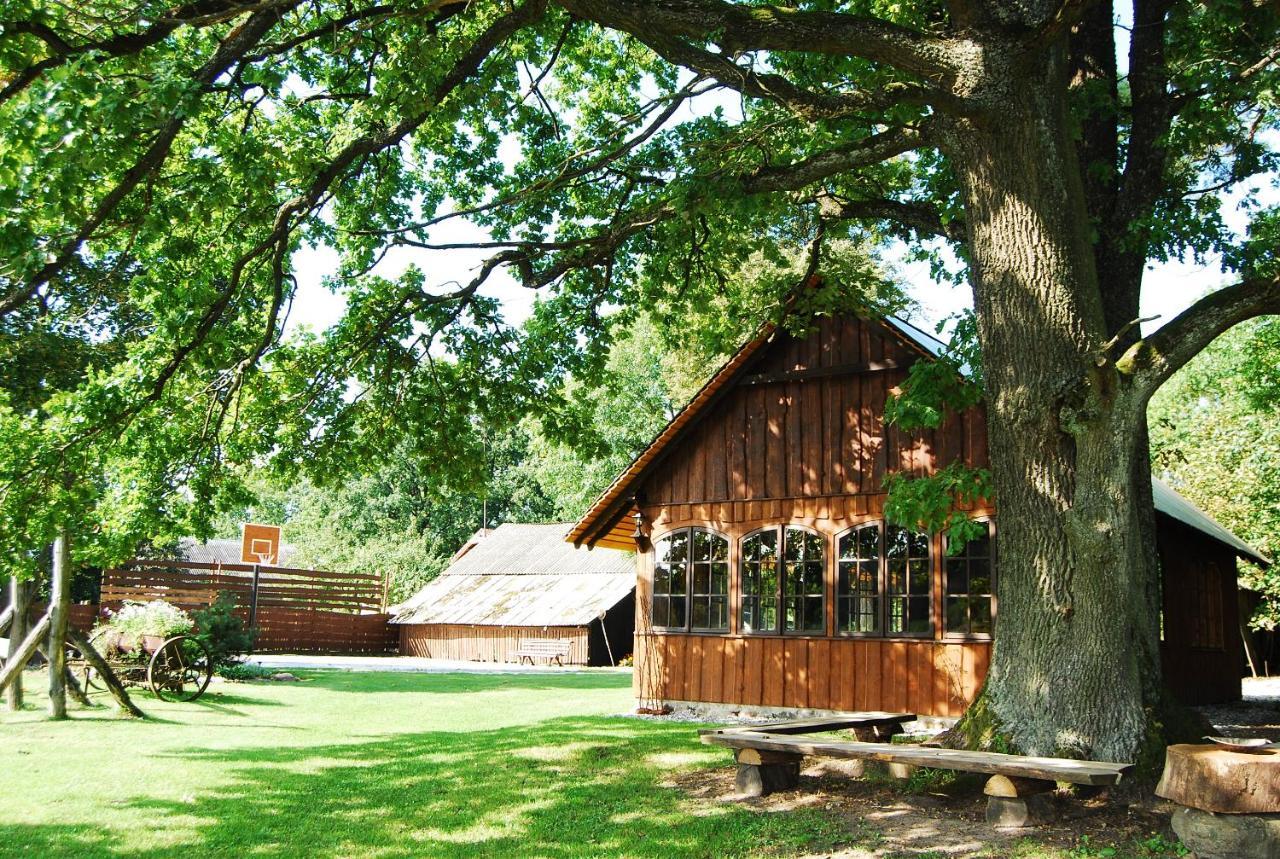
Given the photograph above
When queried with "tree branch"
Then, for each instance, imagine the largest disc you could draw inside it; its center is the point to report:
(1154, 359)
(921, 218)
(736, 28)
(870, 150)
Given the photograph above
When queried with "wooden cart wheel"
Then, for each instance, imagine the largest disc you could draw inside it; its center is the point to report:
(180, 669)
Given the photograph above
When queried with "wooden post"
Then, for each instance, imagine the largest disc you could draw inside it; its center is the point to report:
(18, 602)
(19, 657)
(109, 678)
(253, 597)
(59, 615)
(1014, 802)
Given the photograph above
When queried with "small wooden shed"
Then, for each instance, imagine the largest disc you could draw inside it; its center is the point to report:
(768, 577)
(521, 582)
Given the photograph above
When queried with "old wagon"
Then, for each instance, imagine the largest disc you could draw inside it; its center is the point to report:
(175, 668)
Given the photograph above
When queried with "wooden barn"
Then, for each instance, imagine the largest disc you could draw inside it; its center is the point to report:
(518, 584)
(780, 457)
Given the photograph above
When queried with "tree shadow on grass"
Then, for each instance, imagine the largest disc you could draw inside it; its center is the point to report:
(562, 788)
(419, 682)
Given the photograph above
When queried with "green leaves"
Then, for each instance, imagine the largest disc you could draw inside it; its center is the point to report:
(938, 502)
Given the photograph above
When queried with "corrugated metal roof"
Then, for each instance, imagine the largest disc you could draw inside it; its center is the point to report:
(223, 551)
(523, 575)
(524, 599)
(604, 523)
(520, 549)
(1173, 505)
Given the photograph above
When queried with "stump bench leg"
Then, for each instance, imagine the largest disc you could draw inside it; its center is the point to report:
(761, 773)
(1013, 803)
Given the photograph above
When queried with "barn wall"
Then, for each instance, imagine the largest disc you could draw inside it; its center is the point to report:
(813, 451)
(1201, 648)
(822, 436)
(485, 643)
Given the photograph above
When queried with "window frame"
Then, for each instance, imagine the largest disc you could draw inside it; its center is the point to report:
(689, 628)
(993, 558)
(882, 583)
(780, 595)
(879, 632)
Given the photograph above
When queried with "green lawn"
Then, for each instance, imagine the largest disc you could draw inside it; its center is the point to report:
(395, 765)
(374, 764)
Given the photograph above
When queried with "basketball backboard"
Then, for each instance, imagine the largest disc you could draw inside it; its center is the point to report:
(260, 544)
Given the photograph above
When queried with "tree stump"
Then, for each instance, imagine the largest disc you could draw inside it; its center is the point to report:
(1222, 780)
(762, 772)
(1013, 803)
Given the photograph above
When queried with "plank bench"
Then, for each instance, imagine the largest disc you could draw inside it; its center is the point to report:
(542, 648)
(769, 759)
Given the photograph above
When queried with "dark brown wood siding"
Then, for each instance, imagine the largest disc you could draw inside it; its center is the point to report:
(1200, 638)
(820, 436)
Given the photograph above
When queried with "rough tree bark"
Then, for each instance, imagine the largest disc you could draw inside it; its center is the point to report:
(1075, 668)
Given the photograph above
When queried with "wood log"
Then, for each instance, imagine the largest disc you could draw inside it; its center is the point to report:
(1013, 786)
(756, 757)
(19, 598)
(19, 657)
(6, 615)
(59, 615)
(766, 779)
(81, 642)
(1217, 778)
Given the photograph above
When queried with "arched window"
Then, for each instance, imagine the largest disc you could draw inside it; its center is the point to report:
(691, 581)
(783, 591)
(971, 578)
(858, 581)
(909, 582)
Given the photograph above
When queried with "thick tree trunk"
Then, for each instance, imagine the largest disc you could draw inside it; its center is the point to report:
(59, 615)
(19, 602)
(1075, 669)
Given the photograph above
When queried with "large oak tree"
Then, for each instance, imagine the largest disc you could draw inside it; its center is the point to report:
(1058, 146)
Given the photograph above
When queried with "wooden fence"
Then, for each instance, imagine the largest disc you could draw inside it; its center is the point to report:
(293, 610)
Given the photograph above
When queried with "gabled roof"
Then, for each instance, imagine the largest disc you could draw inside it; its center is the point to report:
(605, 524)
(1173, 505)
(523, 575)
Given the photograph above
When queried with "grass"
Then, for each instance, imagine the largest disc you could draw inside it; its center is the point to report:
(397, 765)
(375, 764)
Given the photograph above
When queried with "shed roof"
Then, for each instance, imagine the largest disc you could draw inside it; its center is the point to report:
(523, 575)
(604, 523)
(224, 551)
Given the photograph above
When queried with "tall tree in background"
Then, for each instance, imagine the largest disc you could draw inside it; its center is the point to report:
(196, 145)
(1215, 435)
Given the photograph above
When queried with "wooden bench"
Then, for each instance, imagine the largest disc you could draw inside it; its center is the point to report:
(769, 760)
(542, 648)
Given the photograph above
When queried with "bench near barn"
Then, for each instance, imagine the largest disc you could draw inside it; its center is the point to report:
(769, 758)
(542, 648)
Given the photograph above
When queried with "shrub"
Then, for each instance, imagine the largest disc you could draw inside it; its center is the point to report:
(222, 631)
(242, 671)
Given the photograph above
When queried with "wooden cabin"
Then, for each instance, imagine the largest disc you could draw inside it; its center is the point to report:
(768, 578)
(523, 583)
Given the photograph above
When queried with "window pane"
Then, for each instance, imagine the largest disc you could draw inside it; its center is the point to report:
(702, 578)
(719, 613)
(910, 581)
(678, 612)
(661, 611)
(958, 614)
(918, 608)
(858, 579)
(813, 616)
(981, 616)
(661, 579)
(957, 576)
(719, 578)
(701, 612)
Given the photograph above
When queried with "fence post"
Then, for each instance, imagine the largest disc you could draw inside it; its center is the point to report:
(253, 598)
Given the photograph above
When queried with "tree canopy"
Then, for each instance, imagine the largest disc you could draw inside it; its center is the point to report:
(165, 160)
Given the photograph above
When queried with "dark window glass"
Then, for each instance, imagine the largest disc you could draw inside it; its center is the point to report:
(858, 581)
(710, 588)
(691, 581)
(802, 590)
(970, 587)
(760, 582)
(909, 578)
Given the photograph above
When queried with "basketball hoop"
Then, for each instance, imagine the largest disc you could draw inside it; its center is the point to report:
(260, 544)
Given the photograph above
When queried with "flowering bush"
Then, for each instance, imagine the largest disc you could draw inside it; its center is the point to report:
(136, 619)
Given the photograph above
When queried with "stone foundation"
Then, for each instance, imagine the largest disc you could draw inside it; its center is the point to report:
(1228, 836)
